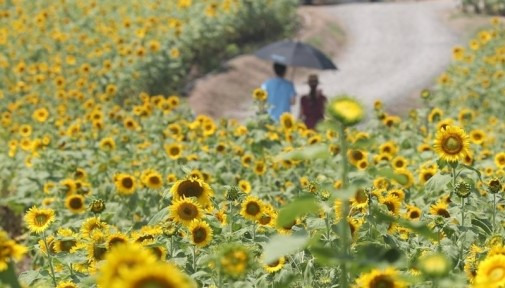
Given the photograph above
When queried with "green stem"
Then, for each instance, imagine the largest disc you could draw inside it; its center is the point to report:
(343, 149)
(453, 173)
(327, 221)
(194, 258)
(254, 231)
(172, 246)
(344, 226)
(462, 211)
(494, 211)
(50, 258)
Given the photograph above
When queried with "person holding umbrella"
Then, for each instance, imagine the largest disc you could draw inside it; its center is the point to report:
(313, 104)
(281, 92)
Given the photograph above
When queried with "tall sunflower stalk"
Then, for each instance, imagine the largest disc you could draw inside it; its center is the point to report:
(347, 112)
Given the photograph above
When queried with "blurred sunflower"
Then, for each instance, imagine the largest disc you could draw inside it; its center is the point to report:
(152, 179)
(9, 251)
(66, 284)
(125, 184)
(491, 272)
(440, 208)
(287, 121)
(38, 220)
(235, 260)
(245, 186)
(75, 203)
(174, 150)
(346, 110)
(120, 261)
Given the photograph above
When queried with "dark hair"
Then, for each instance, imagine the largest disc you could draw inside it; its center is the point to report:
(280, 69)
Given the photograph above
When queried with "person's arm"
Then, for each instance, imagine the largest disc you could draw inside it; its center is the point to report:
(293, 94)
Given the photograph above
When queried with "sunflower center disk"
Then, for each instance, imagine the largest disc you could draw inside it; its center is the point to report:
(453, 145)
(497, 274)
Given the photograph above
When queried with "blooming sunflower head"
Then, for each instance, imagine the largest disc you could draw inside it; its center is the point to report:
(38, 220)
(200, 233)
(252, 208)
(193, 187)
(491, 272)
(125, 184)
(346, 110)
(274, 266)
(452, 144)
(185, 210)
(260, 94)
(75, 203)
(387, 278)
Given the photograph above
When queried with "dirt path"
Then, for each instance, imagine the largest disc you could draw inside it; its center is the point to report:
(393, 50)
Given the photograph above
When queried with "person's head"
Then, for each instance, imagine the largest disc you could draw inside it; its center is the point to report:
(313, 81)
(280, 69)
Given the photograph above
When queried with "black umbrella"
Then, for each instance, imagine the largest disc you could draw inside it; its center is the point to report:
(297, 54)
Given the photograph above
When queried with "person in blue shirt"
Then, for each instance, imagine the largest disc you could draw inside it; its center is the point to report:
(281, 92)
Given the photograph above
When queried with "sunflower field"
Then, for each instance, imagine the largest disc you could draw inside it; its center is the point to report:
(146, 194)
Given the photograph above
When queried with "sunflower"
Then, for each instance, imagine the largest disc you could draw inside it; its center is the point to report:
(426, 174)
(38, 220)
(405, 178)
(477, 136)
(174, 150)
(107, 144)
(355, 156)
(40, 115)
(196, 188)
(245, 186)
(413, 212)
(451, 143)
(274, 266)
(260, 168)
(9, 250)
(75, 203)
(66, 284)
(440, 208)
(287, 121)
(360, 200)
(260, 94)
(346, 110)
(125, 184)
(235, 260)
(387, 278)
(152, 179)
(388, 148)
(67, 241)
(201, 233)
(246, 160)
(252, 208)
(116, 239)
(68, 186)
(159, 251)
(491, 272)
(121, 260)
(499, 160)
(399, 162)
(185, 210)
(92, 225)
(268, 216)
(354, 225)
(393, 204)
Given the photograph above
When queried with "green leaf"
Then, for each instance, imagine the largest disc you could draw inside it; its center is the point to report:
(484, 224)
(316, 151)
(299, 207)
(281, 245)
(158, 217)
(418, 227)
(9, 277)
(473, 169)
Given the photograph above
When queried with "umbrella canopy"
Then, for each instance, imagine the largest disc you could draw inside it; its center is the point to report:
(297, 54)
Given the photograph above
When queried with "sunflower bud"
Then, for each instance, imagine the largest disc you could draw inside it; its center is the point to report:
(97, 206)
(495, 186)
(495, 240)
(169, 229)
(233, 193)
(463, 189)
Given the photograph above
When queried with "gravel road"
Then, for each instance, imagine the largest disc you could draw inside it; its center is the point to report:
(393, 51)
